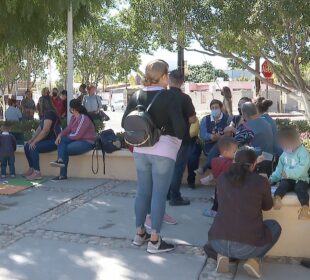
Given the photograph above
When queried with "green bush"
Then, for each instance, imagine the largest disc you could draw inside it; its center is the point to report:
(29, 127)
(301, 125)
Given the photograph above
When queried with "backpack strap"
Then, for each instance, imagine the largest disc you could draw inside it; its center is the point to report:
(153, 101)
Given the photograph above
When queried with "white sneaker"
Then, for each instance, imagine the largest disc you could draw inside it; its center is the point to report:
(207, 180)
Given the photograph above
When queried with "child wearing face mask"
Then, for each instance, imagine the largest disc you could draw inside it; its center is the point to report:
(292, 171)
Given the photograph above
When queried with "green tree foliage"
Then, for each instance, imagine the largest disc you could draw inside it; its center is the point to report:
(205, 73)
(276, 30)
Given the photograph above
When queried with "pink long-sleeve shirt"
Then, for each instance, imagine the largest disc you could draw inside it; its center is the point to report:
(80, 128)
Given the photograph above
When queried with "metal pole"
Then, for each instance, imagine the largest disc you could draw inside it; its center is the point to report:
(70, 59)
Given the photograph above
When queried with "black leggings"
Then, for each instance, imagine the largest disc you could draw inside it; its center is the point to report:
(300, 188)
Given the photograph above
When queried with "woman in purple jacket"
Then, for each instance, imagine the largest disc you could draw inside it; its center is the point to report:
(78, 138)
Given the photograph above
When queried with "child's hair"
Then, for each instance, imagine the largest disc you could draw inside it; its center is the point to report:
(289, 133)
(5, 126)
(263, 104)
(244, 158)
(225, 143)
(216, 101)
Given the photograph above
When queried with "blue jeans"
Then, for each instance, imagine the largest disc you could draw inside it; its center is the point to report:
(68, 147)
(9, 160)
(154, 175)
(213, 153)
(193, 161)
(44, 146)
(242, 251)
(180, 165)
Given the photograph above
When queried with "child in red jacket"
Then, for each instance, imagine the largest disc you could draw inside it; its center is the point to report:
(227, 147)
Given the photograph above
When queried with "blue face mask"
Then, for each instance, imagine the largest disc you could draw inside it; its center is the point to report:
(215, 113)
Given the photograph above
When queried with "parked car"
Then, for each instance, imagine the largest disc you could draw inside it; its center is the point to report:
(117, 105)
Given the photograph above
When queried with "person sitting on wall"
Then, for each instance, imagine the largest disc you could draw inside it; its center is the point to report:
(43, 141)
(78, 138)
(212, 129)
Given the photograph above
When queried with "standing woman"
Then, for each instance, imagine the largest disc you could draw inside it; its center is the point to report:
(28, 106)
(263, 106)
(238, 230)
(155, 165)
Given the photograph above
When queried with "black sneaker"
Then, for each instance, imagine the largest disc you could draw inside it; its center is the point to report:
(192, 186)
(179, 202)
(159, 247)
(57, 163)
(59, 178)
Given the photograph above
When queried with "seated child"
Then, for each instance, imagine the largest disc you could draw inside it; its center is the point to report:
(292, 171)
(243, 135)
(7, 149)
(227, 147)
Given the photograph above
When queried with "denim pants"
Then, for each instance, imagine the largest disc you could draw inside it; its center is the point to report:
(9, 160)
(154, 175)
(180, 164)
(193, 161)
(242, 251)
(300, 188)
(213, 153)
(68, 147)
(44, 146)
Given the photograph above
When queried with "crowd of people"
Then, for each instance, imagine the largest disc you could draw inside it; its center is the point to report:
(241, 153)
(77, 138)
(245, 155)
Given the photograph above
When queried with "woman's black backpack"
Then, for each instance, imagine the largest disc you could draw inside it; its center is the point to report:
(107, 142)
(140, 130)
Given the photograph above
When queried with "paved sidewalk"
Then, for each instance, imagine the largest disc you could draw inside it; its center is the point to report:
(82, 230)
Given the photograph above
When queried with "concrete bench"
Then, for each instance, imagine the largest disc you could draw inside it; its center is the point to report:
(295, 237)
(119, 165)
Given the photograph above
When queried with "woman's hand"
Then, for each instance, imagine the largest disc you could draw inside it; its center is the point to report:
(215, 137)
(58, 140)
(32, 145)
(228, 130)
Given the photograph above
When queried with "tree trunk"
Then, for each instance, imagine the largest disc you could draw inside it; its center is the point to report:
(257, 80)
(306, 100)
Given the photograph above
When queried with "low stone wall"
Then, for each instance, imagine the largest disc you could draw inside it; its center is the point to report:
(295, 237)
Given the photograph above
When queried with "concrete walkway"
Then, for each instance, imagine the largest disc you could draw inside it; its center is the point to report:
(82, 230)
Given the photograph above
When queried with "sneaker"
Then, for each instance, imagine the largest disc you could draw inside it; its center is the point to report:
(57, 163)
(179, 202)
(199, 171)
(169, 220)
(140, 240)
(148, 222)
(13, 176)
(222, 265)
(36, 175)
(207, 180)
(304, 213)
(59, 178)
(209, 213)
(277, 202)
(28, 173)
(159, 247)
(192, 186)
(252, 267)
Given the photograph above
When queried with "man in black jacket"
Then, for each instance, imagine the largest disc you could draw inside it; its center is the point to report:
(176, 80)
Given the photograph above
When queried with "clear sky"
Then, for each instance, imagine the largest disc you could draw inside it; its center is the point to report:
(192, 58)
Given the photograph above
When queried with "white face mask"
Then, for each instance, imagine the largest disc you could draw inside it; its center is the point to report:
(216, 113)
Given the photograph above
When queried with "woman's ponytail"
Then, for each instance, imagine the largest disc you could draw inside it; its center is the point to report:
(244, 159)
